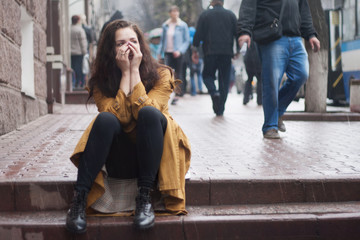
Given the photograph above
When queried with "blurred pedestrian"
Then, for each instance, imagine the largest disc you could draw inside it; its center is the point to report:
(175, 40)
(79, 47)
(154, 42)
(133, 136)
(117, 15)
(89, 56)
(279, 53)
(196, 65)
(253, 69)
(216, 28)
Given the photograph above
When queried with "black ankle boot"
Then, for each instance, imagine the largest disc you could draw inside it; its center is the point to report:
(76, 217)
(144, 213)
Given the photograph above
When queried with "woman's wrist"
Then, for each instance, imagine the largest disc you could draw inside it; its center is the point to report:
(125, 74)
(134, 70)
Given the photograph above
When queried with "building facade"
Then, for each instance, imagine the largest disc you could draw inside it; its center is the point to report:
(23, 86)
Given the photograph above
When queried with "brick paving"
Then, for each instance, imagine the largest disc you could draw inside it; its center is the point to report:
(228, 147)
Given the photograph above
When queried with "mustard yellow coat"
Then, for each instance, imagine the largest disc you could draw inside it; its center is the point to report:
(176, 155)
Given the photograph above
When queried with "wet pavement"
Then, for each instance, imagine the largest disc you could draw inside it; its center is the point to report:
(303, 186)
(228, 147)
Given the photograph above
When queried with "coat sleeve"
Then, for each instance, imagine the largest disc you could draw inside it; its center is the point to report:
(118, 106)
(158, 96)
(235, 32)
(306, 28)
(186, 39)
(247, 17)
(83, 42)
(199, 33)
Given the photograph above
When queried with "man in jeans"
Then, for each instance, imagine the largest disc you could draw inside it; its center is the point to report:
(216, 28)
(284, 55)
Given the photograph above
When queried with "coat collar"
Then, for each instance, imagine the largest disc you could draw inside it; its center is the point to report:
(178, 21)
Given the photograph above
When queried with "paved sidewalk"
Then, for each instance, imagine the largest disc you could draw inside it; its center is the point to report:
(228, 147)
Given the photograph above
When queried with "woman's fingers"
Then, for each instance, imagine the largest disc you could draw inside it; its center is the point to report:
(136, 54)
(135, 47)
(122, 58)
(123, 51)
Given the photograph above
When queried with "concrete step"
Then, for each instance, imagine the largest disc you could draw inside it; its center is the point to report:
(56, 195)
(76, 97)
(279, 221)
(329, 116)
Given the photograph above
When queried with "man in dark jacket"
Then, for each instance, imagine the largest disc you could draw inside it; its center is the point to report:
(216, 28)
(284, 55)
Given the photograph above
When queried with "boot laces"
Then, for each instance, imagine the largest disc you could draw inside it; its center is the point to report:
(142, 200)
(78, 204)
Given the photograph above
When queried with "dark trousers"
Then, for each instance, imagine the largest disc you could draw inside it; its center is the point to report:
(76, 65)
(248, 87)
(177, 65)
(108, 144)
(222, 63)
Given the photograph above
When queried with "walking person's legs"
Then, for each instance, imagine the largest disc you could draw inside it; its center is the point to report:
(224, 66)
(297, 73)
(258, 88)
(274, 58)
(76, 65)
(208, 74)
(248, 88)
(192, 79)
(199, 75)
(174, 64)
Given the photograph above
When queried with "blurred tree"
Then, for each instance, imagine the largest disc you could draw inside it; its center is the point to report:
(316, 86)
(154, 12)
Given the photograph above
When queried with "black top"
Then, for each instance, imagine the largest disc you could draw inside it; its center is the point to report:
(216, 28)
(296, 21)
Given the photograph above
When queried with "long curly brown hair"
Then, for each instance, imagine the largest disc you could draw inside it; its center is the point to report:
(105, 74)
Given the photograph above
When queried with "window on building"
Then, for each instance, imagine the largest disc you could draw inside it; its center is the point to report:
(27, 54)
(349, 20)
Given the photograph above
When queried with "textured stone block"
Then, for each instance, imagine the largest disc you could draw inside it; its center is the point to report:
(41, 14)
(10, 117)
(37, 9)
(43, 108)
(40, 79)
(2, 10)
(31, 109)
(36, 41)
(39, 43)
(10, 67)
(42, 45)
(11, 16)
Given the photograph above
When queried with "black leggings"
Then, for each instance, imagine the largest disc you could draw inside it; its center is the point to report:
(108, 144)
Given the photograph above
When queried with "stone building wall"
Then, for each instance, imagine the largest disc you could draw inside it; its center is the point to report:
(16, 108)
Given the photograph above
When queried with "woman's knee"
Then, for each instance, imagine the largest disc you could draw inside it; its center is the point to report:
(107, 120)
(150, 115)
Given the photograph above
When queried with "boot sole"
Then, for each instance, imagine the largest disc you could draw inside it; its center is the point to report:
(146, 227)
(75, 231)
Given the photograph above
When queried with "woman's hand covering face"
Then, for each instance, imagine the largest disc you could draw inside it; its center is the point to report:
(128, 54)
